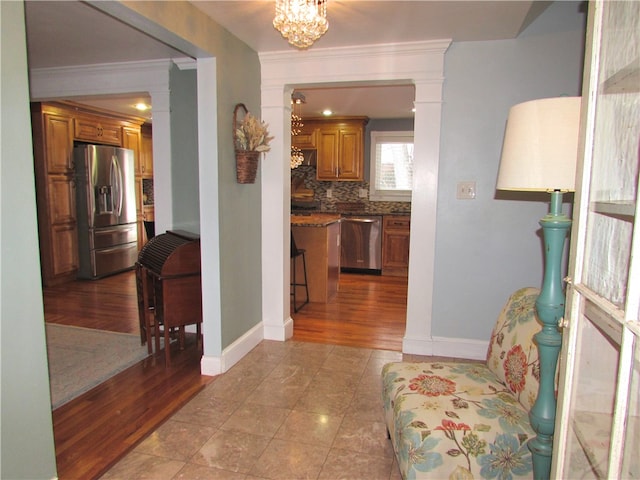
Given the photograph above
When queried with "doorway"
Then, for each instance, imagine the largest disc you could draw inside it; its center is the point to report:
(421, 65)
(368, 310)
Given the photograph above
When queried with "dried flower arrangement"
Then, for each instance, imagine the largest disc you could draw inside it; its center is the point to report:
(252, 135)
(250, 139)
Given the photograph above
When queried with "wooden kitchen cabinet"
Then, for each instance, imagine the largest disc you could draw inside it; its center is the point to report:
(339, 144)
(341, 150)
(307, 138)
(56, 125)
(146, 151)
(58, 149)
(395, 245)
(142, 238)
(55, 193)
(64, 246)
(131, 140)
(96, 130)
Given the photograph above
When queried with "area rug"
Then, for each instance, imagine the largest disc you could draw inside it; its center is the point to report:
(81, 358)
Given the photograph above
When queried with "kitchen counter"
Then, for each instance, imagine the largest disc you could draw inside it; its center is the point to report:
(315, 219)
(319, 235)
(347, 213)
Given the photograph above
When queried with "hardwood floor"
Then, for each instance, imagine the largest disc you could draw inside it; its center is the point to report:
(369, 312)
(96, 429)
(107, 304)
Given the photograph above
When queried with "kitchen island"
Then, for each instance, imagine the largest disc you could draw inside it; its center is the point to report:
(319, 235)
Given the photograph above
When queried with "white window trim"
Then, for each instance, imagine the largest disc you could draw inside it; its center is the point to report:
(376, 195)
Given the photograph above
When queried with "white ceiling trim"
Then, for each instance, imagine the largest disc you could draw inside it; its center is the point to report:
(418, 61)
(102, 79)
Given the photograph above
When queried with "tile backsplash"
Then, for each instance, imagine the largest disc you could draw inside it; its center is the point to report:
(343, 192)
(147, 191)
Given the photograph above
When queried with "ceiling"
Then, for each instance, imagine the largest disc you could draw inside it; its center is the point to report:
(71, 33)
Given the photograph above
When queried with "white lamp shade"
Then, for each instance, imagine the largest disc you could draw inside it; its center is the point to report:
(541, 145)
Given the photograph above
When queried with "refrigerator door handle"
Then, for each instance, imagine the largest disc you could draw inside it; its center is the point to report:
(118, 182)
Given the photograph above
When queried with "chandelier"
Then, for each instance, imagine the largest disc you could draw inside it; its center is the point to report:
(301, 22)
(297, 99)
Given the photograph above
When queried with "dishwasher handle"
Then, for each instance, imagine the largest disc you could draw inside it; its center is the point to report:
(361, 220)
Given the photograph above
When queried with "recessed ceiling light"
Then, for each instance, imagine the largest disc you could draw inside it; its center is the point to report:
(143, 107)
(327, 113)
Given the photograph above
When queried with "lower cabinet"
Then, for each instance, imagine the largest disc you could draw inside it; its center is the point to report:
(322, 251)
(64, 242)
(395, 245)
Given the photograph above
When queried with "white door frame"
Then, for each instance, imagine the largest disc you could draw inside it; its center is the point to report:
(417, 63)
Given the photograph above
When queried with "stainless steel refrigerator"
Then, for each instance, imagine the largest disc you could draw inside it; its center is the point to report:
(106, 205)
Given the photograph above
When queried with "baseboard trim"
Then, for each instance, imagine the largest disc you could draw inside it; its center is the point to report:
(434, 346)
(214, 365)
(280, 332)
(446, 347)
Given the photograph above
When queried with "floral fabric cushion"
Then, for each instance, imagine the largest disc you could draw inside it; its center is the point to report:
(512, 355)
(454, 420)
(469, 420)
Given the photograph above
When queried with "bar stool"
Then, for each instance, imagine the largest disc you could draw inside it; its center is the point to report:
(295, 253)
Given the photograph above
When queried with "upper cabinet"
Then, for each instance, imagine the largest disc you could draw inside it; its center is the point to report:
(340, 146)
(306, 139)
(58, 129)
(96, 130)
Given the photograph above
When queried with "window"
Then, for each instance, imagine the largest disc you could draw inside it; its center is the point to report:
(391, 175)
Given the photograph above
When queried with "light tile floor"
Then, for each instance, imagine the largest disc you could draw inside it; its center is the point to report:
(287, 410)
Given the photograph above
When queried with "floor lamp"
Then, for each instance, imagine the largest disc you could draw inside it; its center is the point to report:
(539, 154)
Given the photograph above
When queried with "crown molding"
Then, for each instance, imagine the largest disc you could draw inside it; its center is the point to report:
(103, 79)
(416, 61)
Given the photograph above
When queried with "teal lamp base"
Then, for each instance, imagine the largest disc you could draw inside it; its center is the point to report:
(550, 308)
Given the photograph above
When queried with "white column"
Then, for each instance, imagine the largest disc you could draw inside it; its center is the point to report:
(162, 191)
(276, 208)
(211, 362)
(426, 142)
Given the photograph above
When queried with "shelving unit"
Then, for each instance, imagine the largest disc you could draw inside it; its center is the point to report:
(625, 210)
(597, 424)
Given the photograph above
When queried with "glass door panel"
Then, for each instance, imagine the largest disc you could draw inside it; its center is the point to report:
(631, 455)
(607, 256)
(592, 399)
(597, 424)
(614, 170)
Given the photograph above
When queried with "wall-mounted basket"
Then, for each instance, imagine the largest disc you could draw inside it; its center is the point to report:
(246, 166)
(246, 160)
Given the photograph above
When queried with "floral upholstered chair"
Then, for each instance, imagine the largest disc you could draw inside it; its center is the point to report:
(469, 420)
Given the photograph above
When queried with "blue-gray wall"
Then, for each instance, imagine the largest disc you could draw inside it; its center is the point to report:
(27, 447)
(239, 212)
(27, 432)
(488, 247)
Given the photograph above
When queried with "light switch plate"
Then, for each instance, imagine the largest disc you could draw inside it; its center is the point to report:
(362, 193)
(466, 190)
(329, 193)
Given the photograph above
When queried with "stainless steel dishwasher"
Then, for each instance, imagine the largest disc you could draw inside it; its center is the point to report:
(361, 240)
